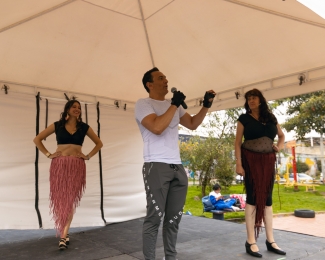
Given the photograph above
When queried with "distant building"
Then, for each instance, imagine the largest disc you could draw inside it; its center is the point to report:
(307, 150)
(308, 147)
(185, 138)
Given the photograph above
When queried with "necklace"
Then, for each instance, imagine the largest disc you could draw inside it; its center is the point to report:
(254, 117)
(257, 119)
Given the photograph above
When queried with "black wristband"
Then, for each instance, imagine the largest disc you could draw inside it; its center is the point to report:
(206, 102)
(178, 98)
(177, 104)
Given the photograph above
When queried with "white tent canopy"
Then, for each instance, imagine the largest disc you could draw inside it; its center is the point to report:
(98, 50)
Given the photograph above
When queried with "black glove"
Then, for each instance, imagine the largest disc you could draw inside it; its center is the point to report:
(206, 102)
(178, 98)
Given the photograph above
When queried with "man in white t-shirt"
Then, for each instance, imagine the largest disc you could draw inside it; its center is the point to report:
(164, 176)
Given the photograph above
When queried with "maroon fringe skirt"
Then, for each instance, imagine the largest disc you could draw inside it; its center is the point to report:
(67, 185)
(259, 180)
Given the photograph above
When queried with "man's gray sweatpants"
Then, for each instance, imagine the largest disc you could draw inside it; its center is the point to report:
(166, 188)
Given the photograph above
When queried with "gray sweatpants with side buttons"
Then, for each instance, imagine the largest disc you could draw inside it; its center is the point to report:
(166, 188)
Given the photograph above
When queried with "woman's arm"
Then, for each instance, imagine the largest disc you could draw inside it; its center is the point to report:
(98, 144)
(238, 143)
(281, 138)
(41, 136)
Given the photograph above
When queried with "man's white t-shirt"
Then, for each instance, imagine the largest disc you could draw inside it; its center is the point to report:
(164, 147)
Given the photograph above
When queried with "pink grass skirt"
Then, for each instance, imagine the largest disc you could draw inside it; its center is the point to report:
(67, 185)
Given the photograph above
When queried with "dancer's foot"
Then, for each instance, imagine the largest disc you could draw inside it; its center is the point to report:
(273, 247)
(250, 248)
(67, 239)
(62, 244)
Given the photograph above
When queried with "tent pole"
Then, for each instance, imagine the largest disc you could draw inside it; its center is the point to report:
(100, 169)
(36, 163)
(36, 15)
(146, 33)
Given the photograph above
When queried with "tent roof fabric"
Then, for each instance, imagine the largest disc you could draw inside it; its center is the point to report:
(102, 48)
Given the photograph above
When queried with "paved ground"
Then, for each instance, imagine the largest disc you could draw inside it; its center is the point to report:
(199, 238)
(309, 226)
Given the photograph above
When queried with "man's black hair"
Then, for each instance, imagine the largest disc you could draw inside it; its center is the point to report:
(147, 77)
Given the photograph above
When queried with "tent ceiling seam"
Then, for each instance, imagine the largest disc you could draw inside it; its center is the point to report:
(264, 90)
(189, 102)
(270, 81)
(36, 15)
(40, 88)
(102, 7)
(221, 101)
(294, 18)
(146, 33)
(159, 10)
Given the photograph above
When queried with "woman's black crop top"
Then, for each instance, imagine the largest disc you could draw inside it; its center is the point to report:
(64, 137)
(254, 129)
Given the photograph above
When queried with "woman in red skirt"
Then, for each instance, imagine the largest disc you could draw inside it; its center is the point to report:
(68, 169)
(255, 160)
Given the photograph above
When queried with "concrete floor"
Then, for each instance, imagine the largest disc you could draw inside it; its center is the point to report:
(199, 238)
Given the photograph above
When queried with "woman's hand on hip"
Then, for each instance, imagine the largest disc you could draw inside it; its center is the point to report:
(82, 156)
(54, 155)
(275, 148)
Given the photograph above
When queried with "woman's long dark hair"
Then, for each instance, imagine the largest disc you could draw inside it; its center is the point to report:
(63, 115)
(265, 113)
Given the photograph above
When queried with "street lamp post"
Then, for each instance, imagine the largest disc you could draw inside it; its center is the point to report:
(322, 153)
(294, 167)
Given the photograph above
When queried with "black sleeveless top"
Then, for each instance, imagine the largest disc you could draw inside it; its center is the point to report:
(254, 129)
(64, 137)
(259, 137)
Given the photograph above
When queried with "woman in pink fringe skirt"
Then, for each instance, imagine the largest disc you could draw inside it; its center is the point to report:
(68, 169)
(255, 160)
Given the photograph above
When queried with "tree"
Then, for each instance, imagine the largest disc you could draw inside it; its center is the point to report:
(212, 155)
(300, 166)
(306, 113)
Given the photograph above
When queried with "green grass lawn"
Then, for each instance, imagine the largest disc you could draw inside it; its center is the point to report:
(290, 200)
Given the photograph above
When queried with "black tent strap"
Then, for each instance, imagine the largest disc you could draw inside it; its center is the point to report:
(36, 163)
(5, 88)
(66, 96)
(46, 114)
(100, 168)
(86, 113)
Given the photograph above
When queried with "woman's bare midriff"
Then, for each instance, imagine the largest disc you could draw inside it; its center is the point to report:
(69, 149)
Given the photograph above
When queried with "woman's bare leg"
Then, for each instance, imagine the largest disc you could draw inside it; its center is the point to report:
(67, 226)
(268, 223)
(250, 211)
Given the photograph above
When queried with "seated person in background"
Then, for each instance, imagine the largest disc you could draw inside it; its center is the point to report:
(218, 200)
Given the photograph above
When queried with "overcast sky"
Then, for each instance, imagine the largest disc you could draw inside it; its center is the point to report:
(318, 6)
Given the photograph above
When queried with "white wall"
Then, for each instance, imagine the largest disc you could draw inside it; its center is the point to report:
(124, 196)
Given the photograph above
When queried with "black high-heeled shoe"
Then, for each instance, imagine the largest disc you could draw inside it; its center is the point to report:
(62, 244)
(250, 252)
(272, 249)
